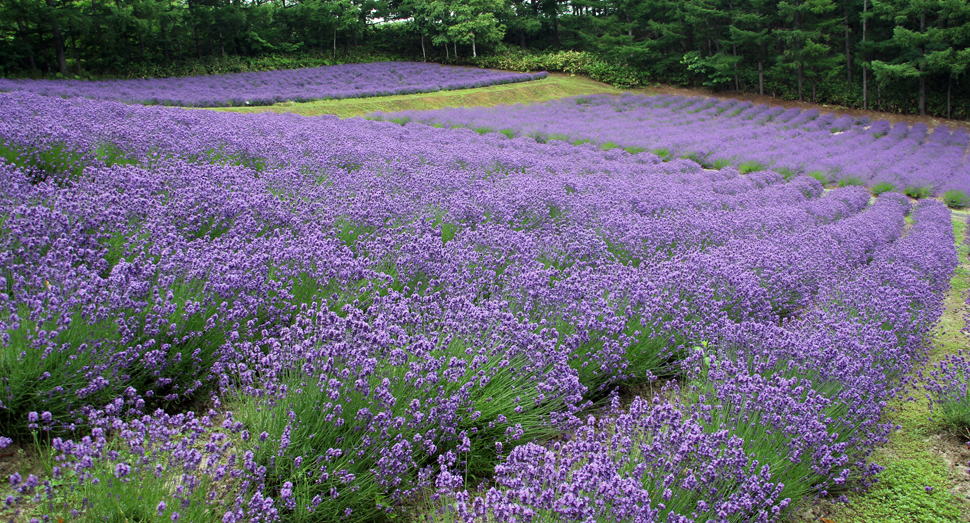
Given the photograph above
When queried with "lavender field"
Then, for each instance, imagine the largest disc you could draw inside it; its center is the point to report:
(845, 150)
(265, 317)
(269, 87)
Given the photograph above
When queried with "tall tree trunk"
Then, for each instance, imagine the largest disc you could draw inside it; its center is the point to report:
(798, 44)
(424, 53)
(335, 40)
(737, 84)
(522, 38)
(474, 51)
(58, 41)
(77, 58)
(97, 26)
(222, 43)
(30, 52)
(848, 50)
(949, 89)
(865, 77)
(555, 29)
(922, 71)
(761, 78)
(161, 25)
(921, 104)
(456, 50)
(141, 43)
(813, 90)
(40, 38)
(198, 46)
(447, 52)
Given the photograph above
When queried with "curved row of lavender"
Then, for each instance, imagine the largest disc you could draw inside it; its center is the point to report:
(274, 318)
(270, 87)
(947, 381)
(842, 149)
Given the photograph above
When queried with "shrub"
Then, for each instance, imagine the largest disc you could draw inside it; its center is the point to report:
(956, 199)
(751, 166)
(663, 152)
(572, 62)
(918, 192)
(948, 394)
(822, 177)
(154, 468)
(850, 180)
(882, 187)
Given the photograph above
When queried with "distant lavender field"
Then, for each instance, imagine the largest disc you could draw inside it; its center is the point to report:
(269, 87)
(841, 149)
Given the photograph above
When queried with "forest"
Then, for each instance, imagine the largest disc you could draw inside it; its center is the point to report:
(908, 56)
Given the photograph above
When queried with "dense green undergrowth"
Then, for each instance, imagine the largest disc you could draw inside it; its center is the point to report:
(212, 65)
(572, 62)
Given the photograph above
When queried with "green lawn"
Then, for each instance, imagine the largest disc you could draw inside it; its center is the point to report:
(555, 86)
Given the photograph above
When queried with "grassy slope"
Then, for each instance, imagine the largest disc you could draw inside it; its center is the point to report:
(551, 88)
(912, 464)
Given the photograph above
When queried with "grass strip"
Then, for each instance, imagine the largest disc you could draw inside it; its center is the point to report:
(555, 86)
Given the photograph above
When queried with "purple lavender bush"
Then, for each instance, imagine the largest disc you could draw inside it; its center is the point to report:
(630, 466)
(270, 87)
(242, 317)
(946, 388)
(842, 150)
(946, 385)
(790, 399)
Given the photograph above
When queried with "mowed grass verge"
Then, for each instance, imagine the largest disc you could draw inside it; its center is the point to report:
(555, 86)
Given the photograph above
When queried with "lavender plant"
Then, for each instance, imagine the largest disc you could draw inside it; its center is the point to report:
(946, 388)
(269, 87)
(276, 318)
(716, 133)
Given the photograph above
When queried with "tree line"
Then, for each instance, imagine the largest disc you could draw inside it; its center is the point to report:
(902, 55)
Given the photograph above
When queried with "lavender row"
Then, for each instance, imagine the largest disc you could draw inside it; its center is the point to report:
(946, 383)
(58, 138)
(377, 316)
(834, 148)
(770, 404)
(267, 88)
(198, 221)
